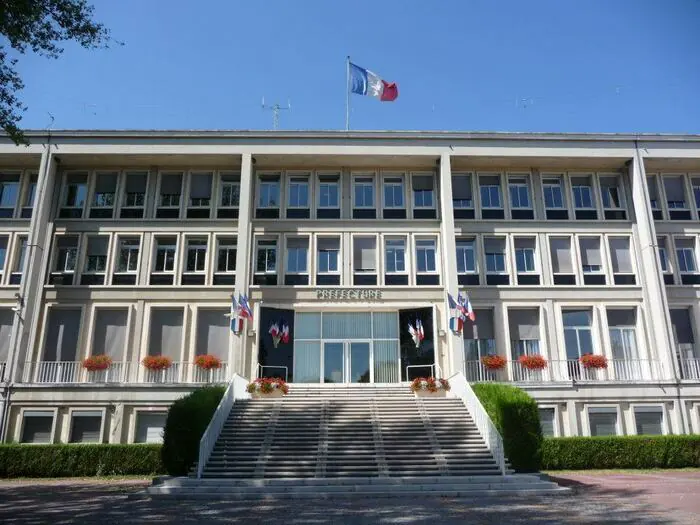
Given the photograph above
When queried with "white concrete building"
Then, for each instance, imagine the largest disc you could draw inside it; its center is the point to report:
(130, 243)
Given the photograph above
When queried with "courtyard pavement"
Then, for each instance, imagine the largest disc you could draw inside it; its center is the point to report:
(618, 498)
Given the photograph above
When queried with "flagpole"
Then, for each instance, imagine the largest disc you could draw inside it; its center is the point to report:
(347, 94)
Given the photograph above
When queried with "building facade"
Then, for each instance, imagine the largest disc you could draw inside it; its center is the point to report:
(130, 244)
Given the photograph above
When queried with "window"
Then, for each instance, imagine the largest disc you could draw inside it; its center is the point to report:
(553, 193)
(547, 415)
(297, 270)
(3, 254)
(195, 262)
(602, 421)
(583, 192)
(74, 196)
(66, 254)
(134, 195)
(394, 198)
(622, 329)
(363, 198)
(86, 427)
(18, 266)
(328, 250)
(696, 191)
(462, 196)
(423, 197)
(525, 255)
(662, 250)
(269, 196)
(591, 260)
(683, 337)
(479, 341)
(128, 258)
(266, 262)
(490, 191)
(653, 193)
(168, 206)
(164, 264)
(365, 260)
(200, 195)
(649, 421)
(328, 191)
(229, 191)
(395, 255)
(685, 251)
(61, 341)
(524, 325)
(165, 338)
(29, 196)
(149, 427)
(519, 193)
(103, 198)
(37, 427)
(562, 265)
(675, 192)
(495, 250)
(610, 193)
(95, 264)
(109, 338)
(466, 256)
(578, 339)
(226, 254)
(425, 255)
(621, 260)
(213, 329)
(9, 193)
(298, 198)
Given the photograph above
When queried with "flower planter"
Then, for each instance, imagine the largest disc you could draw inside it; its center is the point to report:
(427, 393)
(276, 393)
(267, 387)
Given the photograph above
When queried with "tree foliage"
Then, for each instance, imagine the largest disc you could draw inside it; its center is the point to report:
(40, 26)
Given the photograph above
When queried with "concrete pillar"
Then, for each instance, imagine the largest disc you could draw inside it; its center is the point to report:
(454, 343)
(243, 256)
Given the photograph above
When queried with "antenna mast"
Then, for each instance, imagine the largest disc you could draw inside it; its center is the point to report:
(276, 108)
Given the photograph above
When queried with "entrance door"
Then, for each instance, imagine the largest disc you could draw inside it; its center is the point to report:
(346, 362)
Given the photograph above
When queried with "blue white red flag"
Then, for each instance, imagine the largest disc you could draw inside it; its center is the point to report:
(244, 307)
(364, 82)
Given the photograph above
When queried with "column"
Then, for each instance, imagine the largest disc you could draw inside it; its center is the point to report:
(453, 344)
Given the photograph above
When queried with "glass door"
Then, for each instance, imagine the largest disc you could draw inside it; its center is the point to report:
(346, 362)
(333, 362)
(359, 362)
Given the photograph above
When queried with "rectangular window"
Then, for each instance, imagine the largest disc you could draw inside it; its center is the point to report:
(95, 264)
(109, 336)
(395, 255)
(165, 336)
(103, 198)
(365, 261)
(200, 195)
(3, 254)
(653, 193)
(269, 192)
(165, 254)
(149, 427)
(462, 196)
(363, 192)
(611, 194)
(524, 325)
(134, 195)
(602, 421)
(298, 192)
(621, 260)
(297, 255)
(622, 329)
(328, 249)
(266, 256)
(229, 190)
(519, 193)
(29, 196)
(696, 191)
(168, 206)
(675, 192)
(662, 250)
(86, 427)
(479, 341)
(547, 421)
(196, 256)
(328, 192)
(226, 252)
(128, 258)
(649, 421)
(425, 256)
(37, 427)
(562, 265)
(393, 192)
(20, 254)
(525, 255)
(591, 260)
(553, 193)
(578, 339)
(466, 256)
(423, 193)
(490, 191)
(66, 260)
(74, 196)
(685, 251)
(9, 193)
(582, 189)
(495, 251)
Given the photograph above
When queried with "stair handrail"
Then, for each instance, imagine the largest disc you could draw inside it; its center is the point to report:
(235, 390)
(460, 387)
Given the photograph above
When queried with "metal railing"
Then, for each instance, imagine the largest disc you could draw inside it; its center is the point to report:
(261, 371)
(461, 388)
(213, 375)
(236, 390)
(690, 367)
(435, 371)
(569, 370)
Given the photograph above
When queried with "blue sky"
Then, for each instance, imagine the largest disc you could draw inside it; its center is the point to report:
(510, 65)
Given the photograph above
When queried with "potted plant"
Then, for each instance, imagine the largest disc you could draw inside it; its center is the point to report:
(207, 362)
(493, 362)
(157, 362)
(593, 361)
(97, 363)
(267, 387)
(430, 387)
(533, 362)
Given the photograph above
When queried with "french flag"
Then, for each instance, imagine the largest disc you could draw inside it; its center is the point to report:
(364, 82)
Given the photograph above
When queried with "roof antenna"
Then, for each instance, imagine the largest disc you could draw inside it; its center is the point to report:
(276, 108)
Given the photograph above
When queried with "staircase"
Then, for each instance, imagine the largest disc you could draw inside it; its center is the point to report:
(325, 439)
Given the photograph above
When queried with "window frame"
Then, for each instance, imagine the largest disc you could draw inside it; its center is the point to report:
(86, 257)
(18, 255)
(432, 191)
(337, 182)
(587, 269)
(682, 177)
(57, 254)
(473, 242)
(662, 247)
(295, 179)
(578, 329)
(630, 251)
(404, 243)
(524, 184)
(159, 195)
(651, 408)
(307, 261)
(682, 260)
(91, 204)
(274, 244)
(219, 240)
(562, 191)
(221, 184)
(264, 180)
(590, 189)
(23, 179)
(64, 194)
(470, 176)
(337, 257)
(31, 412)
(119, 239)
(533, 250)
(84, 411)
(190, 246)
(370, 181)
(620, 191)
(499, 192)
(504, 254)
(189, 204)
(123, 203)
(156, 248)
(604, 409)
(393, 180)
(434, 242)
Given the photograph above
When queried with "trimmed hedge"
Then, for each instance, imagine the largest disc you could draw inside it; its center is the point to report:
(580, 453)
(187, 420)
(49, 461)
(516, 417)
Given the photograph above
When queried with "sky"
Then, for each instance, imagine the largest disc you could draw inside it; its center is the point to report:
(467, 65)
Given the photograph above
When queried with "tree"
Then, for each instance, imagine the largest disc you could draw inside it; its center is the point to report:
(40, 25)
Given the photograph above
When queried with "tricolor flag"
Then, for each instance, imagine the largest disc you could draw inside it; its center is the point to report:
(274, 330)
(236, 321)
(456, 324)
(416, 332)
(468, 306)
(246, 312)
(363, 82)
(285, 331)
(451, 301)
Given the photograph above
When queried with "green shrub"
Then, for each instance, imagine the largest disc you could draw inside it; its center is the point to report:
(516, 417)
(579, 453)
(48, 461)
(187, 420)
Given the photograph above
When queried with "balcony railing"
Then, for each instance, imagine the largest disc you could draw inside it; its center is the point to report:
(568, 370)
(121, 372)
(690, 367)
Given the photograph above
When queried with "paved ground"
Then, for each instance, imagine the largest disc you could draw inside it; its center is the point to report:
(633, 499)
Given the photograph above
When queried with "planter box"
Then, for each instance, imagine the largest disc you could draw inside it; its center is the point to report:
(275, 393)
(440, 392)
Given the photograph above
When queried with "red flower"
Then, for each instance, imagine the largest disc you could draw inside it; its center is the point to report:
(493, 362)
(430, 384)
(266, 385)
(157, 362)
(207, 362)
(533, 362)
(97, 362)
(594, 361)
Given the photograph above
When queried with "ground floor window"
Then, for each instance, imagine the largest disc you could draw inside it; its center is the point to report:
(649, 421)
(149, 427)
(86, 427)
(603, 421)
(547, 415)
(37, 427)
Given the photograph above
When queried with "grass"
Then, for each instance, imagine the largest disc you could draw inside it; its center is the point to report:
(594, 472)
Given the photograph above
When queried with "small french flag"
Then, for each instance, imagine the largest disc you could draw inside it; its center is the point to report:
(364, 82)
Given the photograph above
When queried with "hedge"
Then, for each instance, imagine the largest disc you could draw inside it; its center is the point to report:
(516, 417)
(632, 452)
(45, 461)
(187, 420)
